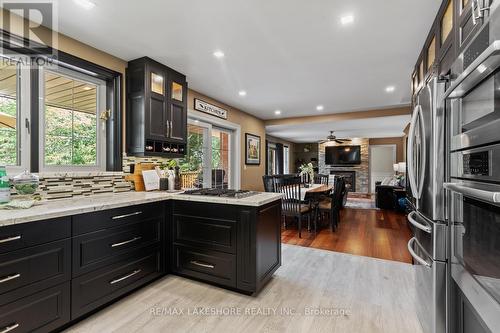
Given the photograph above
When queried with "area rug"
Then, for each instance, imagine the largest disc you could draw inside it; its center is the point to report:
(360, 203)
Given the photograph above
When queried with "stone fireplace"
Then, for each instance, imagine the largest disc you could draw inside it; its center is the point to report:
(349, 177)
(359, 172)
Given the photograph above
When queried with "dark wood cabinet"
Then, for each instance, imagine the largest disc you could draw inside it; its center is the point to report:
(54, 272)
(19, 236)
(156, 109)
(233, 246)
(45, 311)
(91, 291)
(30, 270)
(104, 247)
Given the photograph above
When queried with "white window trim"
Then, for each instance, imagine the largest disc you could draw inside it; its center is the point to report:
(101, 126)
(234, 145)
(24, 114)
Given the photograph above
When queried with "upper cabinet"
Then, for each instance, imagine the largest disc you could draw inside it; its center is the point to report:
(156, 109)
(470, 19)
(446, 22)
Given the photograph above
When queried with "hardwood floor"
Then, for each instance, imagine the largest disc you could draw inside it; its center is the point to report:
(313, 291)
(373, 233)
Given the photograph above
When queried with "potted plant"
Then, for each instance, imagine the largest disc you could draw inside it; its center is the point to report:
(307, 169)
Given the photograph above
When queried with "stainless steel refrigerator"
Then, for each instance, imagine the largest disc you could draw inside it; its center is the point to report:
(426, 174)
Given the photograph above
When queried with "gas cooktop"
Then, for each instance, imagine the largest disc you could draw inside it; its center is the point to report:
(218, 192)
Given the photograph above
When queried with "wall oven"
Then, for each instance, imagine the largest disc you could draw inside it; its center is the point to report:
(473, 182)
(475, 228)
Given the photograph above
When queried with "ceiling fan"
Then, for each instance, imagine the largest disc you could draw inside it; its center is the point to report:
(332, 138)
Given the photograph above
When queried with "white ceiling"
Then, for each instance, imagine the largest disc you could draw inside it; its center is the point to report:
(379, 127)
(290, 55)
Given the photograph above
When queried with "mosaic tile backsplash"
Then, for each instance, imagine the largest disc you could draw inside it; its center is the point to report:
(129, 160)
(69, 185)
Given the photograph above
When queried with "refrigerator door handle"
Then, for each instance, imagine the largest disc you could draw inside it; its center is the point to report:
(411, 139)
(414, 255)
(423, 162)
(412, 220)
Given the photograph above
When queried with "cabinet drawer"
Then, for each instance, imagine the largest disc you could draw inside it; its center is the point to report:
(92, 290)
(211, 266)
(18, 236)
(204, 209)
(33, 269)
(41, 312)
(98, 249)
(212, 234)
(114, 217)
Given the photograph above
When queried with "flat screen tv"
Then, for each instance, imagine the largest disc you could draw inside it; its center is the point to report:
(343, 155)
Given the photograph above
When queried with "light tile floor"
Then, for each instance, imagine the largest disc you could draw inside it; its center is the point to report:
(314, 291)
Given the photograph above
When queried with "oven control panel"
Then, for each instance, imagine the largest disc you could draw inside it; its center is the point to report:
(476, 164)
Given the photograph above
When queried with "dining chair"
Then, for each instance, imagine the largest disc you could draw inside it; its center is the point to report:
(291, 204)
(321, 179)
(333, 206)
(268, 181)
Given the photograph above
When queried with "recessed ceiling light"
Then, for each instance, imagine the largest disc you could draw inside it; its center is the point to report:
(277, 112)
(218, 54)
(196, 121)
(87, 88)
(481, 68)
(347, 19)
(390, 89)
(320, 108)
(242, 93)
(86, 4)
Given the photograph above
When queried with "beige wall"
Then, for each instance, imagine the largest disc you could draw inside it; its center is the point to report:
(251, 175)
(398, 141)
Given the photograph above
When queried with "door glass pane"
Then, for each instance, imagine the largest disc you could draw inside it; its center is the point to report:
(191, 166)
(157, 83)
(9, 114)
(431, 53)
(177, 91)
(70, 119)
(286, 160)
(447, 22)
(421, 72)
(220, 158)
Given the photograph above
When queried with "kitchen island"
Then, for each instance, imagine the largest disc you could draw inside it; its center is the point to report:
(71, 257)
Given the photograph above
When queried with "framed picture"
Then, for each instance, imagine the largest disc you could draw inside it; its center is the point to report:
(252, 149)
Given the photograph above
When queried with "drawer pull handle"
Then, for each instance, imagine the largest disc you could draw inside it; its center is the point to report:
(10, 277)
(10, 239)
(137, 271)
(197, 263)
(9, 328)
(125, 215)
(126, 242)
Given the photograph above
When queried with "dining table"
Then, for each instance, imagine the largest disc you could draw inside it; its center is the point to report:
(314, 193)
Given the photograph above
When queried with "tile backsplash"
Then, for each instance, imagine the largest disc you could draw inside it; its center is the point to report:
(129, 160)
(69, 185)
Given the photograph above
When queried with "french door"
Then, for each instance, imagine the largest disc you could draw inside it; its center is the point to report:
(209, 161)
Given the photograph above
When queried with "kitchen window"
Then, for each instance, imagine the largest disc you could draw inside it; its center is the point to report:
(14, 115)
(73, 135)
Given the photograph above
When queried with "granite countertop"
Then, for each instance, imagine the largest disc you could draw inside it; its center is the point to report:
(65, 207)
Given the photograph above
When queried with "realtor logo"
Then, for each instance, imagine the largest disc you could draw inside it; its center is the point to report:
(28, 28)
